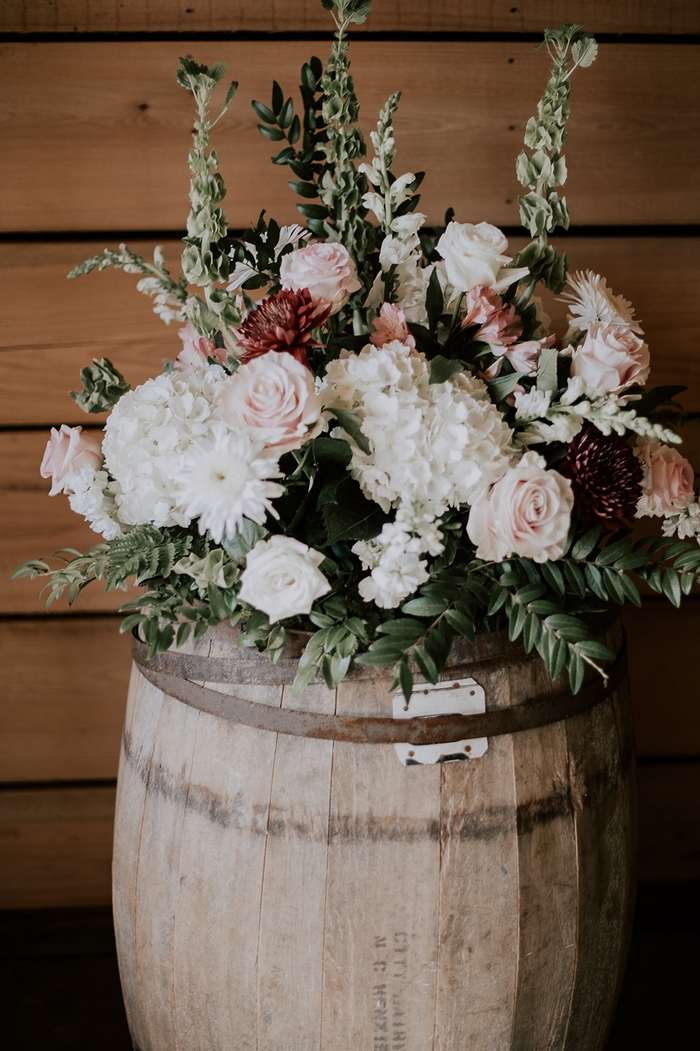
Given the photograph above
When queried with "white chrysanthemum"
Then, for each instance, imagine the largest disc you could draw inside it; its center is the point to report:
(224, 478)
(148, 433)
(437, 444)
(91, 494)
(591, 302)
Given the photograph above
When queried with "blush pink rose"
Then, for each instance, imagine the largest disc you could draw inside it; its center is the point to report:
(196, 350)
(326, 270)
(668, 479)
(390, 325)
(69, 450)
(272, 399)
(611, 358)
(527, 512)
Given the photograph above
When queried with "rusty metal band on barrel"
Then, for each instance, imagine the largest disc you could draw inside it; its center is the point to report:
(361, 729)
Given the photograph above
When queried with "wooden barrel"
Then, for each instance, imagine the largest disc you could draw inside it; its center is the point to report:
(277, 892)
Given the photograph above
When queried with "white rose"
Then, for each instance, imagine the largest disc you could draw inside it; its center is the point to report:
(527, 513)
(327, 270)
(282, 577)
(474, 255)
(272, 399)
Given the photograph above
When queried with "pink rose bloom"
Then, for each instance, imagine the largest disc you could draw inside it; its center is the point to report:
(390, 325)
(68, 450)
(527, 512)
(272, 399)
(196, 349)
(611, 358)
(668, 480)
(327, 270)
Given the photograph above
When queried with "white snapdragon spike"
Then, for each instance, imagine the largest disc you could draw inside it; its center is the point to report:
(91, 494)
(167, 306)
(147, 434)
(542, 420)
(591, 302)
(438, 443)
(282, 578)
(224, 478)
(402, 250)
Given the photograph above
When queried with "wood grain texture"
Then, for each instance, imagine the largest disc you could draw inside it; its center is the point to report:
(59, 332)
(90, 16)
(56, 847)
(104, 130)
(56, 843)
(63, 698)
(396, 941)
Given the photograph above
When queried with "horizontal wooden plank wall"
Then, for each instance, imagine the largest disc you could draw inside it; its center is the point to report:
(100, 134)
(118, 104)
(413, 16)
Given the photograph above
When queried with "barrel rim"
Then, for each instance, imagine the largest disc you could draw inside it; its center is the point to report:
(530, 714)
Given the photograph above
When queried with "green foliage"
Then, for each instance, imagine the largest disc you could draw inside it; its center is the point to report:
(541, 168)
(103, 386)
(328, 652)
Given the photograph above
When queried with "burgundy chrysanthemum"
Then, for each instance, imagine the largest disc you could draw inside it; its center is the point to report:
(283, 321)
(605, 475)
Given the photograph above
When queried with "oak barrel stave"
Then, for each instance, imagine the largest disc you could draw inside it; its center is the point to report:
(276, 893)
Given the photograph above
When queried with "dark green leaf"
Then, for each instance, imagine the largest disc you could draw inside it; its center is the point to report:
(406, 680)
(576, 672)
(552, 574)
(404, 627)
(672, 586)
(443, 369)
(462, 624)
(426, 665)
(263, 113)
(434, 301)
(277, 97)
(304, 189)
(274, 134)
(583, 547)
(352, 425)
(424, 607)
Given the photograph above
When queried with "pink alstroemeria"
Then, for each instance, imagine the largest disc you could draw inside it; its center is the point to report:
(522, 356)
(196, 350)
(499, 325)
(391, 324)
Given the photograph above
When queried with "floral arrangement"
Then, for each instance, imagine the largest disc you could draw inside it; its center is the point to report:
(369, 432)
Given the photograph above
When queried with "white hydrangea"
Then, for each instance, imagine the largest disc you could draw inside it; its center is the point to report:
(147, 434)
(91, 494)
(439, 444)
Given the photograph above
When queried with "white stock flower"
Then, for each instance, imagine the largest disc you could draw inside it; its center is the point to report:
(282, 578)
(91, 494)
(591, 302)
(147, 434)
(396, 568)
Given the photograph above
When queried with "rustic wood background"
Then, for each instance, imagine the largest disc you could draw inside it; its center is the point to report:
(96, 134)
